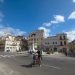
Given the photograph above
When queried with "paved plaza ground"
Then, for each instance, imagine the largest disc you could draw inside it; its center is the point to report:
(56, 64)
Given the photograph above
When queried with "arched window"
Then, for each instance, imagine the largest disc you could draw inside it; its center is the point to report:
(60, 37)
(64, 42)
(61, 44)
(64, 37)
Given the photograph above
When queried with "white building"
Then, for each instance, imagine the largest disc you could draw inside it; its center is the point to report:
(11, 44)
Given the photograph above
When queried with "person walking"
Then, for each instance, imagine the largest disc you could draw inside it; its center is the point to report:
(35, 58)
(39, 57)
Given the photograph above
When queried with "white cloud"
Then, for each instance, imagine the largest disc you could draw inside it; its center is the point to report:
(58, 19)
(54, 22)
(10, 30)
(73, 1)
(1, 1)
(46, 31)
(71, 35)
(19, 32)
(48, 24)
(72, 15)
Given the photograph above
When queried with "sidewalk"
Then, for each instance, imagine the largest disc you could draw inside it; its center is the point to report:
(8, 54)
(56, 54)
(59, 56)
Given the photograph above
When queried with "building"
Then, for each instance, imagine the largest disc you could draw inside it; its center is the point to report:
(71, 46)
(11, 44)
(2, 44)
(35, 39)
(50, 43)
(56, 43)
(15, 43)
(23, 42)
(63, 42)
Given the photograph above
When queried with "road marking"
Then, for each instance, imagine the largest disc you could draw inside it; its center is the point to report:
(55, 67)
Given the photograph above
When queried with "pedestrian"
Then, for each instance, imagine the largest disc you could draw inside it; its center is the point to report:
(34, 58)
(39, 57)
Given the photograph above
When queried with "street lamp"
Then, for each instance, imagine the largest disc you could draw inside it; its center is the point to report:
(33, 41)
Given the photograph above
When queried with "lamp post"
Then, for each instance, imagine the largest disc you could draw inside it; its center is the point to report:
(33, 45)
(33, 42)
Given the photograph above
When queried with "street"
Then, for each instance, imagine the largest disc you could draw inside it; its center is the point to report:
(18, 65)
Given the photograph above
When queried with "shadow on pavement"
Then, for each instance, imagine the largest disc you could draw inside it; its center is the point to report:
(27, 66)
(30, 65)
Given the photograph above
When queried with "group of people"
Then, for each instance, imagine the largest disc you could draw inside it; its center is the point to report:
(37, 57)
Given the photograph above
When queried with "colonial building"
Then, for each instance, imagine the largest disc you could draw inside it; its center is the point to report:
(23, 42)
(15, 43)
(35, 39)
(11, 44)
(56, 43)
(71, 46)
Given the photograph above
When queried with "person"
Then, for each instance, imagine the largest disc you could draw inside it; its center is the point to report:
(34, 58)
(39, 57)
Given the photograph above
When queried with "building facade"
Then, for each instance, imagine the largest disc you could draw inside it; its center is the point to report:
(35, 39)
(71, 46)
(11, 44)
(23, 42)
(56, 43)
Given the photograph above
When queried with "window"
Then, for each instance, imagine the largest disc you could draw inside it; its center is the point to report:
(10, 47)
(64, 37)
(48, 42)
(60, 37)
(61, 44)
(64, 42)
(53, 42)
(55, 49)
(33, 35)
(7, 47)
(45, 43)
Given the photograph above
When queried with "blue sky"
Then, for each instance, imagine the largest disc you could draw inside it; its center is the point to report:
(21, 17)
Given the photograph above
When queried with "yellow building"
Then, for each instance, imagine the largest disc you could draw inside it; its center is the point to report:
(71, 46)
(56, 43)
